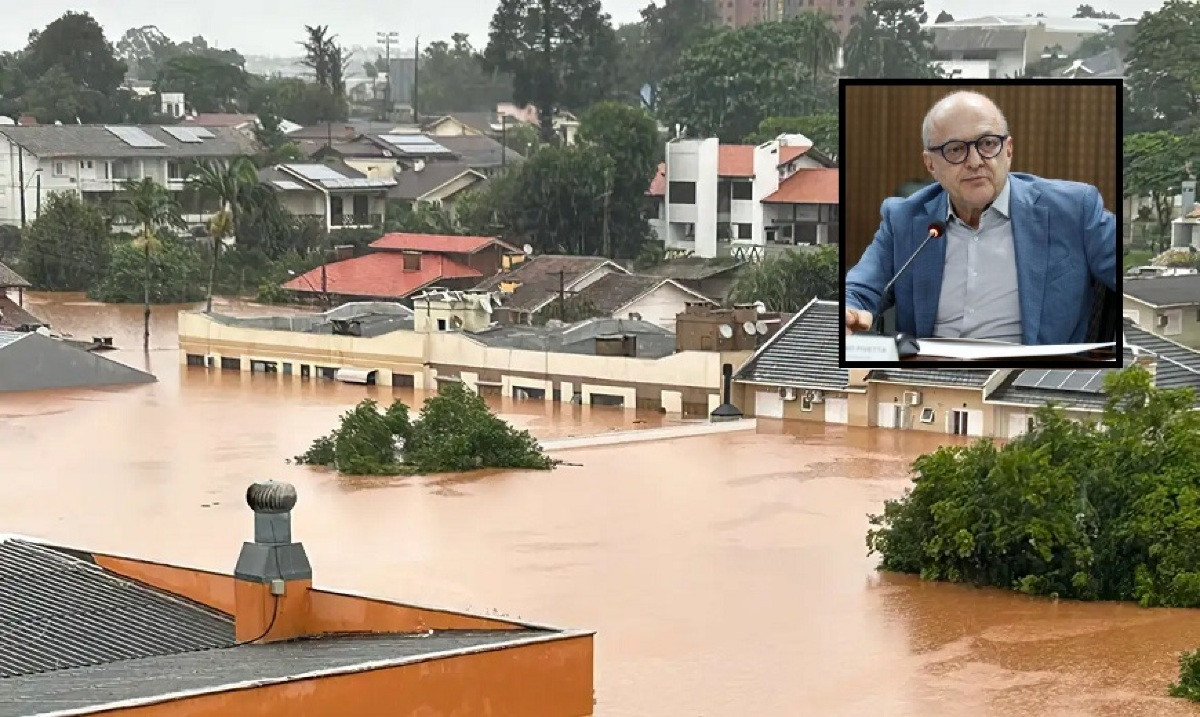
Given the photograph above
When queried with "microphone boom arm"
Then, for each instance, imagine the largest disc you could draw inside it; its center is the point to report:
(935, 231)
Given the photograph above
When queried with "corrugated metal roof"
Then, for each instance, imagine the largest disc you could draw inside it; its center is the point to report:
(90, 687)
(967, 378)
(10, 337)
(59, 611)
(804, 353)
(73, 140)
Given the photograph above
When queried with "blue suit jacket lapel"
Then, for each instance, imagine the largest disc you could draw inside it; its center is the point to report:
(928, 267)
(1031, 244)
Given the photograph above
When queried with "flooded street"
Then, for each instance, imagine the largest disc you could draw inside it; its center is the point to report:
(726, 575)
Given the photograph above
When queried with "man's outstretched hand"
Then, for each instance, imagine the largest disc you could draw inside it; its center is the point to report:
(858, 320)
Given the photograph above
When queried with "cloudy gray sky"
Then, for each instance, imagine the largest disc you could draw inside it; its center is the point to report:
(274, 26)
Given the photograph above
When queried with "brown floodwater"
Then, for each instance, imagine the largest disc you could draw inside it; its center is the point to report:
(725, 575)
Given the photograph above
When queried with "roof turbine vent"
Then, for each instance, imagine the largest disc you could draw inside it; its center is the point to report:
(271, 497)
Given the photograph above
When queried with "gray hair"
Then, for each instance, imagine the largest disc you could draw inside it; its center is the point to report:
(940, 106)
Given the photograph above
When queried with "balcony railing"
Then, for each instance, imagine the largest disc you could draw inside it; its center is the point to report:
(355, 221)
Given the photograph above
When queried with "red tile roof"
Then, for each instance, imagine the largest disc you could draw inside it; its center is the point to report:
(381, 274)
(658, 185)
(807, 186)
(733, 160)
(438, 243)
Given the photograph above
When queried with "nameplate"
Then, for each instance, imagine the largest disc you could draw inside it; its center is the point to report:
(871, 347)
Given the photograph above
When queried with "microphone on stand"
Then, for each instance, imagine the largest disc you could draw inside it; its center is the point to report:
(936, 231)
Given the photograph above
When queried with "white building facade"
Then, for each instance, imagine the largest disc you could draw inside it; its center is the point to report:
(727, 200)
(96, 161)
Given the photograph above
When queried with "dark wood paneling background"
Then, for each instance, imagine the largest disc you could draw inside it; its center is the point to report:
(1059, 132)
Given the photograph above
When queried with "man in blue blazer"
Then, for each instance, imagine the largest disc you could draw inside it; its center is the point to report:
(1018, 253)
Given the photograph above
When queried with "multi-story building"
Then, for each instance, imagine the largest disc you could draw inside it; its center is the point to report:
(998, 46)
(742, 200)
(96, 161)
(843, 12)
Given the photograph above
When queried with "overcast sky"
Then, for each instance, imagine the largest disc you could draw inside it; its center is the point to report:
(272, 27)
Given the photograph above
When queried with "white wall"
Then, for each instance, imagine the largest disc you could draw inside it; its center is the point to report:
(659, 306)
(695, 160)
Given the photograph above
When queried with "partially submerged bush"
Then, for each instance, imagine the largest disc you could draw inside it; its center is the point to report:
(1109, 511)
(1189, 677)
(455, 432)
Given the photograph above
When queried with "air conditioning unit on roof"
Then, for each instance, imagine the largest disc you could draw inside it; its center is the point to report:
(787, 393)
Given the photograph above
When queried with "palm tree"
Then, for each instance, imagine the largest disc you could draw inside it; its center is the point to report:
(150, 206)
(228, 183)
(822, 40)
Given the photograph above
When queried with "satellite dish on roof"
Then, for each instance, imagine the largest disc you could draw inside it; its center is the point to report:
(726, 331)
(748, 327)
(760, 307)
(528, 249)
(761, 326)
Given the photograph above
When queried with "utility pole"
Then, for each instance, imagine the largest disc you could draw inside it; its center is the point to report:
(416, 80)
(386, 39)
(607, 194)
(503, 141)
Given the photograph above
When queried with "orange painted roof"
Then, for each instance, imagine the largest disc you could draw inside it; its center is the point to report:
(807, 186)
(733, 160)
(380, 274)
(438, 243)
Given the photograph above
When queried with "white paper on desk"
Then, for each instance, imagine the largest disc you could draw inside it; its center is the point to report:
(973, 349)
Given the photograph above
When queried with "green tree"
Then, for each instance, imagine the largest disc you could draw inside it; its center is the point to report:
(453, 78)
(227, 183)
(789, 280)
(651, 48)
(887, 40)
(76, 43)
(1089, 11)
(67, 248)
(209, 85)
(456, 432)
(56, 97)
(328, 61)
(1163, 76)
(143, 50)
(1107, 511)
(277, 147)
(728, 83)
(420, 218)
(560, 53)
(943, 16)
(822, 129)
(174, 276)
(629, 137)
(150, 207)
(1153, 166)
(558, 205)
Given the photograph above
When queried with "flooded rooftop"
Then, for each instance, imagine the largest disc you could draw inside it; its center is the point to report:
(725, 575)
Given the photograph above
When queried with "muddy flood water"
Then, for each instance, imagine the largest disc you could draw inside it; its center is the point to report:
(725, 575)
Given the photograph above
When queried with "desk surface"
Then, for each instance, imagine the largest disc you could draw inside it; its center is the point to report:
(1084, 357)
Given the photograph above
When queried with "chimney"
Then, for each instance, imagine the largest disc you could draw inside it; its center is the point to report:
(272, 578)
(27, 120)
(726, 411)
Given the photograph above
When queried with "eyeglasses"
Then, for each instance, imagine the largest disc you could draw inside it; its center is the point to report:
(955, 152)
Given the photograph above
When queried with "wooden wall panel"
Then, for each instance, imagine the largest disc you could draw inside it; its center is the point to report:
(1059, 132)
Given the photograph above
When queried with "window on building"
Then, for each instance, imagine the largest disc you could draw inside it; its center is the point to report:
(806, 402)
(681, 193)
(85, 164)
(174, 170)
(441, 324)
(60, 169)
(927, 415)
(743, 190)
(412, 262)
(195, 360)
(403, 380)
(745, 231)
(231, 364)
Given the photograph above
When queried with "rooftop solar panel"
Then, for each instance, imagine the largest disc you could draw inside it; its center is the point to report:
(203, 132)
(315, 172)
(1076, 380)
(135, 137)
(414, 144)
(287, 185)
(183, 134)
